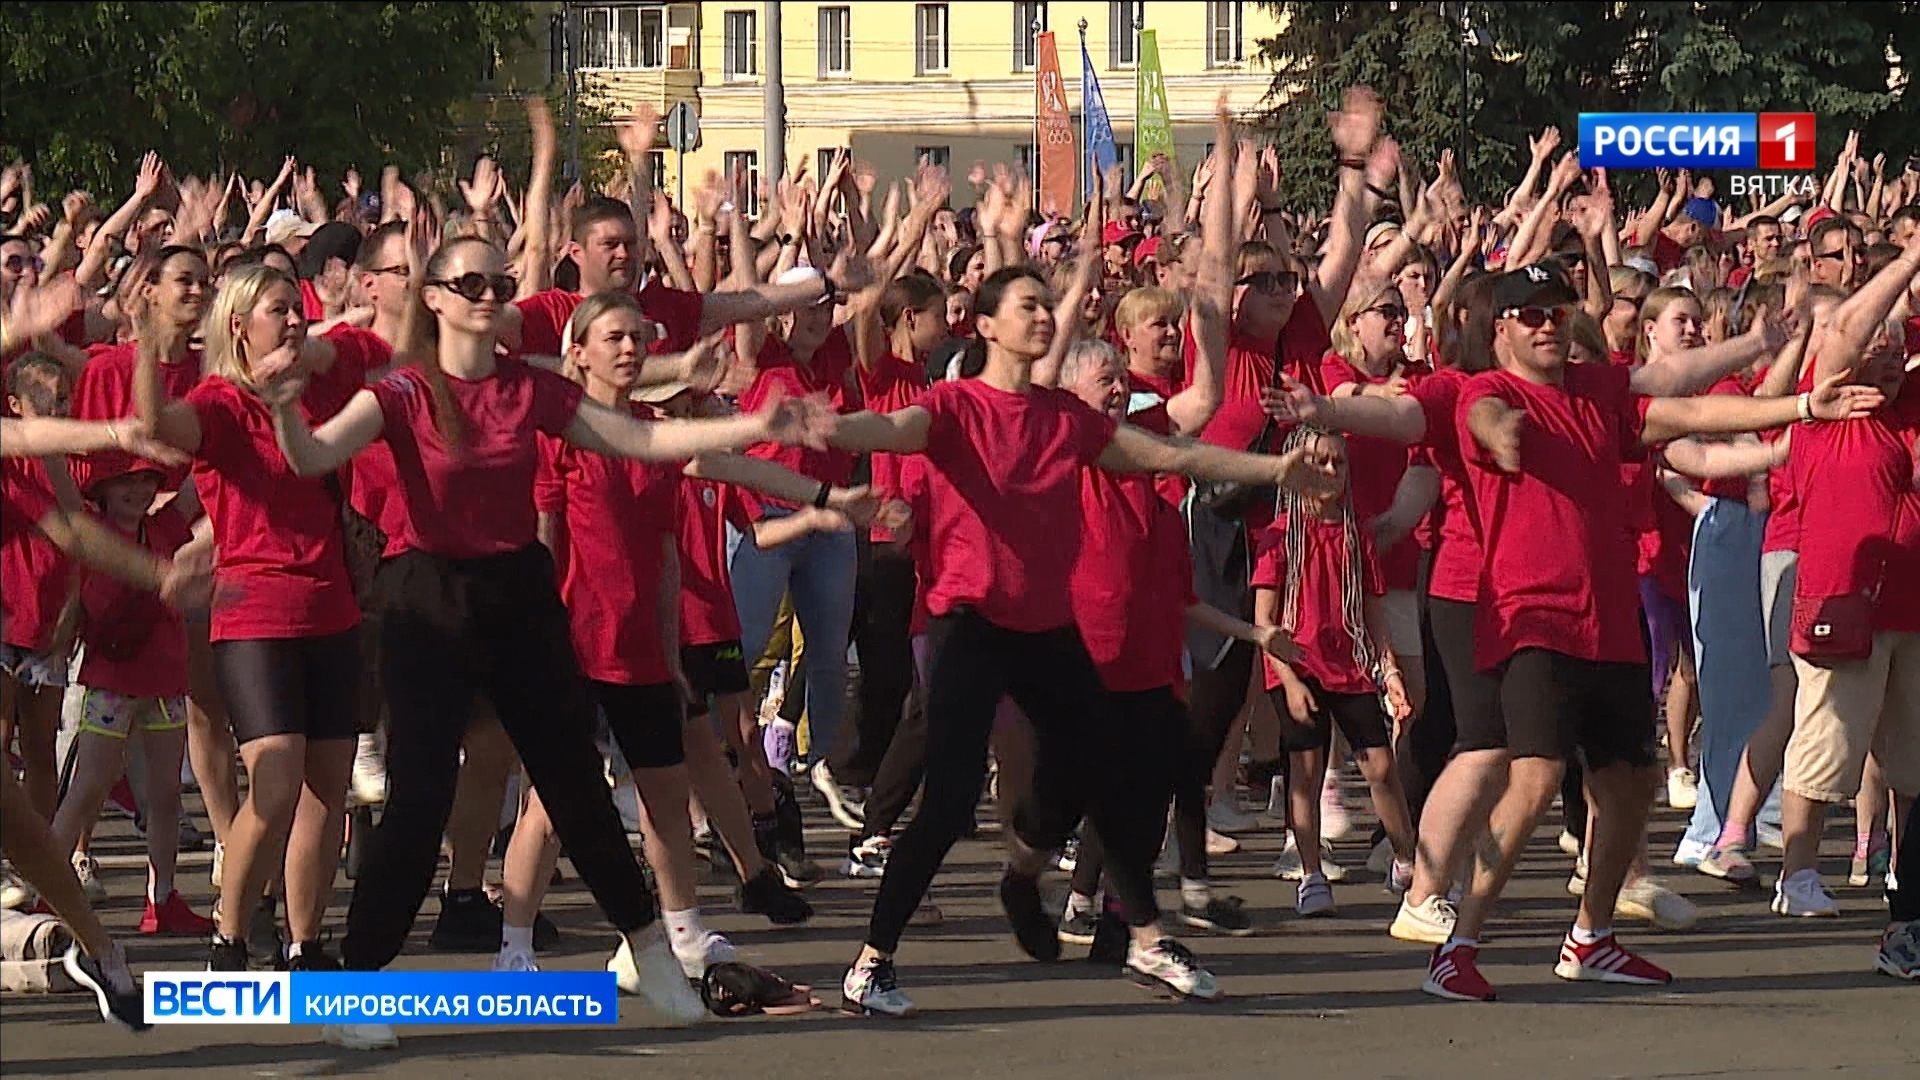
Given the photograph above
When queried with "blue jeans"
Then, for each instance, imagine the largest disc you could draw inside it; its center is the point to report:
(819, 570)
(1730, 653)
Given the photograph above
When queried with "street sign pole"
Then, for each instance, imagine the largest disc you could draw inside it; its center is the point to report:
(680, 166)
(683, 134)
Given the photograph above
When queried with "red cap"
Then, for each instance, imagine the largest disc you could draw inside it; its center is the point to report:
(98, 468)
(1819, 215)
(1148, 249)
(1117, 233)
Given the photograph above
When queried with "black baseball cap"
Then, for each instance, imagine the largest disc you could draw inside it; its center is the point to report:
(1538, 285)
(334, 240)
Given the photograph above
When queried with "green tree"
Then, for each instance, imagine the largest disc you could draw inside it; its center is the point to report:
(1528, 65)
(88, 87)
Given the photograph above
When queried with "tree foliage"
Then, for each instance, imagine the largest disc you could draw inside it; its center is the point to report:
(89, 87)
(1533, 64)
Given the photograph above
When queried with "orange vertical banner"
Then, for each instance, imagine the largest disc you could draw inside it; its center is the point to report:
(1059, 159)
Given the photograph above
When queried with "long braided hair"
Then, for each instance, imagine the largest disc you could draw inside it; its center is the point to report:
(1353, 599)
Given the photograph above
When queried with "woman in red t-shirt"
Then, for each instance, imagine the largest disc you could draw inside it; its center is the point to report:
(1004, 459)
(470, 601)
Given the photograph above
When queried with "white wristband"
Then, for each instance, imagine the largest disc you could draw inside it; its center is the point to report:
(1806, 408)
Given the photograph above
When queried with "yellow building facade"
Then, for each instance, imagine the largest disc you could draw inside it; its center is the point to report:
(894, 80)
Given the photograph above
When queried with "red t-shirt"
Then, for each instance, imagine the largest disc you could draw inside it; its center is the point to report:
(1783, 484)
(1860, 514)
(1250, 370)
(1130, 589)
(1375, 468)
(707, 614)
(356, 354)
(1003, 483)
(1326, 645)
(476, 500)
(913, 489)
(1147, 410)
(136, 644)
(310, 303)
(24, 505)
(1457, 560)
(1666, 550)
(281, 569)
(890, 385)
(35, 576)
(828, 372)
(544, 315)
(104, 391)
(1559, 561)
(619, 516)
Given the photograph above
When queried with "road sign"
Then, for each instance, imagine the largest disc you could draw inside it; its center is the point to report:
(683, 127)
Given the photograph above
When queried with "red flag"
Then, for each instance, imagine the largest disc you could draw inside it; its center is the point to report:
(1059, 158)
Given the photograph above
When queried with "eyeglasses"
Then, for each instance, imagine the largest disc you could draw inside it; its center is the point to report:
(19, 263)
(473, 287)
(1271, 282)
(400, 269)
(1628, 298)
(1533, 318)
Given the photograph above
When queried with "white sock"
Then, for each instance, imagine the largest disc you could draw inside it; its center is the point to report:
(293, 951)
(517, 938)
(1081, 904)
(685, 932)
(1195, 894)
(1582, 936)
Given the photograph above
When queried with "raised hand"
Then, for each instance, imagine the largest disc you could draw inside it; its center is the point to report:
(851, 272)
(1544, 146)
(153, 173)
(1293, 401)
(74, 205)
(638, 132)
(1565, 172)
(36, 310)
(350, 183)
(485, 189)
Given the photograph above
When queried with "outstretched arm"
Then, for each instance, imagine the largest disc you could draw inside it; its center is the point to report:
(316, 452)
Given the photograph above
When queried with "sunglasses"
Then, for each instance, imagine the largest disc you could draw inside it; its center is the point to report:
(1389, 312)
(1533, 318)
(400, 269)
(1858, 255)
(473, 287)
(1271, 282)
(18, 263)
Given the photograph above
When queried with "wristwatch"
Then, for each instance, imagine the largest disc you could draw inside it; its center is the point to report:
(821, 497)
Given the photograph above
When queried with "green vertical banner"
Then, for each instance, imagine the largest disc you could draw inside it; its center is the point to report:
(1152, 129)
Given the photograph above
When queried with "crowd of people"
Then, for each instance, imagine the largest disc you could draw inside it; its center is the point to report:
(568, 512)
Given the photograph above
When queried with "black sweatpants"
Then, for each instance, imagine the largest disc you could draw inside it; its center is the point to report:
(451, 628)
(1425, 748)
(1214, 699)
(883, 634)
(1076, 770)
(1149, 730)
(1903, 904)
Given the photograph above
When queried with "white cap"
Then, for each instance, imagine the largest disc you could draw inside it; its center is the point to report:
(798, 275)
(284, 225)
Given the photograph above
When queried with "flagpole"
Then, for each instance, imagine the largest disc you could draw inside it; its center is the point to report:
(1086, 144)
(1038, 74)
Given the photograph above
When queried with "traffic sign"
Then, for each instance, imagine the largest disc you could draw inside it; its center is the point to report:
(683, 127)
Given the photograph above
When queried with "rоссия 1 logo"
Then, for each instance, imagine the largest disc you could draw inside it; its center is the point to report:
(1697, 140)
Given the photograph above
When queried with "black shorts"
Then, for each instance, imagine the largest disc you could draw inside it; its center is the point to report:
(1474, 694)
(712, 670)
(291, 686)
(645, 721)
(1360, 716)
(1558, 706)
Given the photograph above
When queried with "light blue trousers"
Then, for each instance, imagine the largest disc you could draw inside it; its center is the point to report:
(819, 569)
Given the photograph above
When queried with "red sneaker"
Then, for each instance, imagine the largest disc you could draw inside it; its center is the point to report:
(174, 917)
(1606, 961)
(1455, 975)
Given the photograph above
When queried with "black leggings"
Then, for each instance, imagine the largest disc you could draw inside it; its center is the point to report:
(883, 634)
(1214, 700)
(1903, 904)
(291, 686)
(1076, 768)
(1149, 728)
(449, 628)
(1425, 748)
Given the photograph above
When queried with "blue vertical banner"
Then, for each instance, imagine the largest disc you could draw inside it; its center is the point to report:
(1102, 153)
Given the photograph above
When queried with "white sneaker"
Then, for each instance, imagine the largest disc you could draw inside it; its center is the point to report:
(1683, 788)
(369, 773)
(1314, 897)
(15, 894)
(88, 871)
(654, 973)
(711, 949)
(1804, 895)
(510, 959)
(845, 805)
(361, 1036)
(1380, 859)
(1569, 843)
(1429, 923)
(1219, 843)
(868, 858)
(1223, 816)
(1287, 867)
(1169, 965)
(1335, 822)
(870, 990)
(1649, 900)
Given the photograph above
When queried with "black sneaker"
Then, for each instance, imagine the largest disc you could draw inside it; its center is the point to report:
(1110, 940)
(786, 808)
(1222, 915)
(767, 895)
(312, 957)
(1078, 927)
(118, 999)
(1036, 931)
(191, 838)
(265, 946)
(469, 923)
(226, 954)
(795, 868)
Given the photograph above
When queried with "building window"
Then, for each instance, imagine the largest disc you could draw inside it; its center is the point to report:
(1123, 157)
(745, 163)
(933, 155)
(836, 42)
(742, 59)
(657, 169)
(1028, 159)
(624, 36)
(1028, 16)
(930, 36)
(823, 160)
(1124, 19)
(1226, 43)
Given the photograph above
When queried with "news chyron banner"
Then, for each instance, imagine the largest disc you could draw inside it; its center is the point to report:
(542, 998)
(1697, 140)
